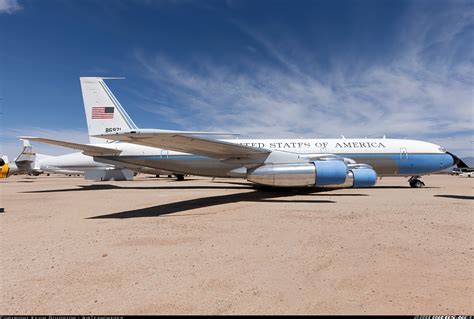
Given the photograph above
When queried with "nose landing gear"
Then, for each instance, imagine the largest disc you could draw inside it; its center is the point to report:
(415, 182)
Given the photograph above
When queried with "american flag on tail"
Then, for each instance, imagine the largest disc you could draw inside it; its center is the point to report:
(102, 112)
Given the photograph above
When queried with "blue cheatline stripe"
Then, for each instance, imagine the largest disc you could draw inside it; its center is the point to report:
(159, 156)
(381, 154)
(414, 164)
(390, 155)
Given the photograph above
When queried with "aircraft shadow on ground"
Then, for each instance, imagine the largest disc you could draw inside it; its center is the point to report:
(402, 187)
(109, 186)
(181, 206)
(456, 196)
(166, 179)
(289, 191)
(258, 194)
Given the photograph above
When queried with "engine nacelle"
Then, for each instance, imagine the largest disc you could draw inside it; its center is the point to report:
(330, 172)
(285, 175)
(364, 177)
(318, 173)
(357, 178)
(117, 174)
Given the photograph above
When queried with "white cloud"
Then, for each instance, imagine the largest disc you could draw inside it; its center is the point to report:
(418, 95)
(9, 6)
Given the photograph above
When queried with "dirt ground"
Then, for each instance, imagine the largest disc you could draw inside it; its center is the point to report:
(157, 246)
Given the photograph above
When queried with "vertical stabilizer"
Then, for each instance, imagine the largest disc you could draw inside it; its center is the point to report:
(27, 155)
(104, 113)
(25, 162)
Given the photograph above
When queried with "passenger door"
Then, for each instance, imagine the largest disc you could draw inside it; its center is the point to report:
(403, 153)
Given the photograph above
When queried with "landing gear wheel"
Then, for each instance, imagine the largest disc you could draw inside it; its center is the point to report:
(179, 177)
(157, 176)
(415, 183)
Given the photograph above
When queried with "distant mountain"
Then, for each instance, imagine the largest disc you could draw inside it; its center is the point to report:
(469, 161)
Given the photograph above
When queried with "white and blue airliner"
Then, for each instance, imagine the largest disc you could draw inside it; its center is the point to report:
(343, 162)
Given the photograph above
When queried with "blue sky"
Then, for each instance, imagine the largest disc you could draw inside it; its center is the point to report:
(404, 69)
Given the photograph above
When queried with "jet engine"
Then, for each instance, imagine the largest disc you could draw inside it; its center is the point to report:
(357, 177)
(363, 177)
(299, 174)
(332, 173)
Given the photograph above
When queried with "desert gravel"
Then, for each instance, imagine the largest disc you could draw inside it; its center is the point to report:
(157, 246)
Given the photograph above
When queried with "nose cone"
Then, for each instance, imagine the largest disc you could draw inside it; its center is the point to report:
(447, 160)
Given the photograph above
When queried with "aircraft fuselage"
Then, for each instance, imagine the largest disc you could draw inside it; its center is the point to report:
(388, 157)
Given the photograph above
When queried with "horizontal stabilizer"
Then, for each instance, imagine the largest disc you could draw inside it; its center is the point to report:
(87, 149)
(27, 156)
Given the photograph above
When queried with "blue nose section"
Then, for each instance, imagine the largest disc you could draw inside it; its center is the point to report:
(425, 163)
(446, 161)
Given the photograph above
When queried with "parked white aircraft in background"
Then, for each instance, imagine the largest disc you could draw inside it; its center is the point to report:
(28, 163)
(22, 164)
(274, 162)
(31, 163)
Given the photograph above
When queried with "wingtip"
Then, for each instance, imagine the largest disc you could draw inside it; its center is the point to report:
(26, 137)
(112, 78)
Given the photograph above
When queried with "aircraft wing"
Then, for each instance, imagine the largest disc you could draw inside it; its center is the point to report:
(187, 142)
(90, 150)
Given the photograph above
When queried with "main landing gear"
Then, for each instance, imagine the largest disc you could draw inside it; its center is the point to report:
(415, 182)
(179, 177)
